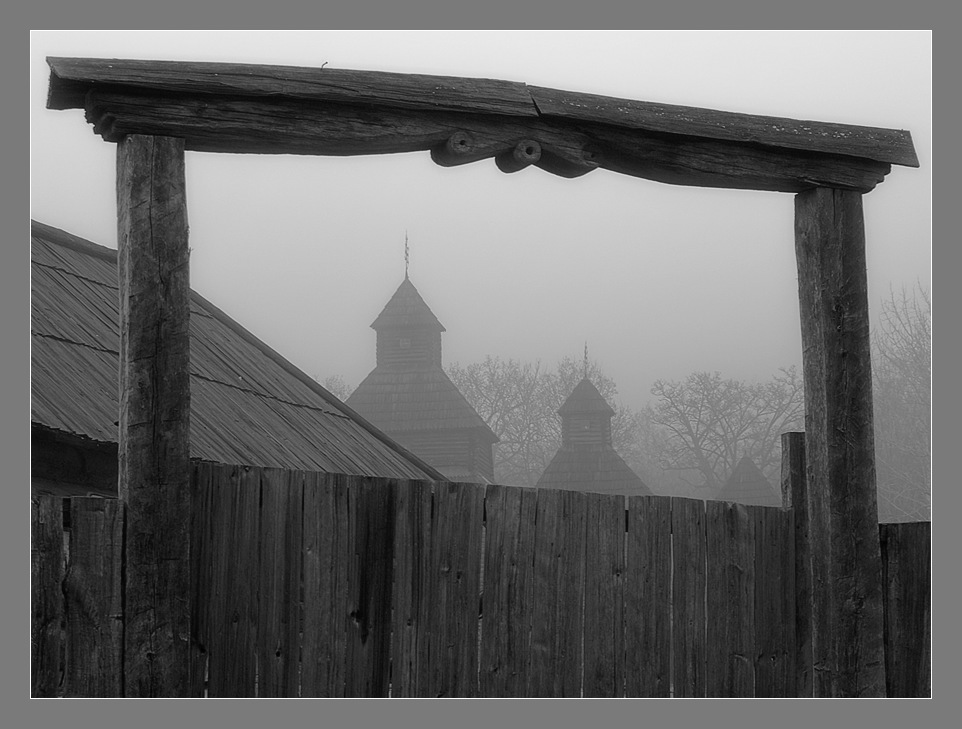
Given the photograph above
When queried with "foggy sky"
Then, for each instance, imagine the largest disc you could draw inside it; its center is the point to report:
(660, 280)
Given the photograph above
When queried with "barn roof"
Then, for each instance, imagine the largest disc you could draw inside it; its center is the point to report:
(406, 310)
(596, 469)
(401, 400)
(249, 405)
(748, 485)
(585, 400)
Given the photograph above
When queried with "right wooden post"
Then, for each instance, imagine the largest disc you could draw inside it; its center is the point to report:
(847, 620)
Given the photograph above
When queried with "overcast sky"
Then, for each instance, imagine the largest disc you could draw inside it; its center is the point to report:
(660, 280)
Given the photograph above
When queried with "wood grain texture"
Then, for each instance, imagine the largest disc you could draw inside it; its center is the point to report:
(201, 574)
(507, 598)
(604, 628)
(907, 571)
(568, 149)
(46, 595)
(688, 597)
(557, 617)
(279, 599)
(775, 663)
(730, 583)
(848, 656)
(412, 586)
(72, 78)
(648, 598)
(795, 495)
(154, 413)
(370, 559)
(323, 659)
(93, 587)
(452, 608)
(232, 610)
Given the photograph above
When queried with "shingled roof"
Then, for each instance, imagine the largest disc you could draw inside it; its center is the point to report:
(748, 485)
(249, 405)
(406, 309)
(587, 460)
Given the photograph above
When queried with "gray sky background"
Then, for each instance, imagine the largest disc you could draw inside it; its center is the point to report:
(660, 280)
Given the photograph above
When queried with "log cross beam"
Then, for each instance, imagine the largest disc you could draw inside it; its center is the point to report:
(154, 412)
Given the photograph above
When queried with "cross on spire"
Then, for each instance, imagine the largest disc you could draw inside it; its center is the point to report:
(406, 254)
(586, 359)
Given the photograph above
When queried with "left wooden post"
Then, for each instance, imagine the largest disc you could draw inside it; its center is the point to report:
(154, 413)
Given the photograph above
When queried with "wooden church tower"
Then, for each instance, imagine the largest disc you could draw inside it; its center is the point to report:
(410, 397)
(748, 485)
(587, 460)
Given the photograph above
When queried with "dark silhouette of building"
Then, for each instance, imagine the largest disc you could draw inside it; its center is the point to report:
(748, 485)
(587, 460)
(410, 397)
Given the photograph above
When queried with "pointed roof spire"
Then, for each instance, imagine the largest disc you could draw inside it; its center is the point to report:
(586, 399)
(406, 255)
(586, 359)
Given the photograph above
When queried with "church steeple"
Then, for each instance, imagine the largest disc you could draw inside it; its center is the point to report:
(585, 417)
(408, 332)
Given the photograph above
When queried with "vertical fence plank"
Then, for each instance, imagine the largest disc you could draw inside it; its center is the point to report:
(906, 566)
(94, 592)
(506, 622)
(648, 597)
(201, 576)
(795, 495)
(46, 594)
(232, 615)
(730, 586)
(453, 611)
(325, 586)
(688, 597)
(154, 425)
(279, 590)
(774, 602)
(604, 637)
(557, 658)
(371, 538)
(412, 549)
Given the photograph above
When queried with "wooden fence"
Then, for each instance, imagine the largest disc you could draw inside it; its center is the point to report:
(308, 584)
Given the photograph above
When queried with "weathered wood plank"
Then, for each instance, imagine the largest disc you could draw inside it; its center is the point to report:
(730, 607)
(154, 413)
(795, 495)
(232, 614)
(568, 149)
(648, 598)
(907, 570)
(279, 599)
(94, 599)
(71, 78)
(507, 597)
(847, 618)
(325, 586)
(46, 594)
(201, 576)
(774, 602)
(370, 575)
(688, 597)
(412, 590)
(557, 617)
(604, 630)
(884, 145)
(453, 612)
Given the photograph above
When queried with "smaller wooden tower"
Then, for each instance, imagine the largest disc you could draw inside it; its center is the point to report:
(748, 485)
(587, 460)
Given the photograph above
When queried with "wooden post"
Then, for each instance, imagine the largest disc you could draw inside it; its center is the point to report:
(154, 478)
(846, 563)
(47, 605)
(795, 497)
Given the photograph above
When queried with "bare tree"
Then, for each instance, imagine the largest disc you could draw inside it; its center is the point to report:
(711, 423)
(902, 370)
(335, 385)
